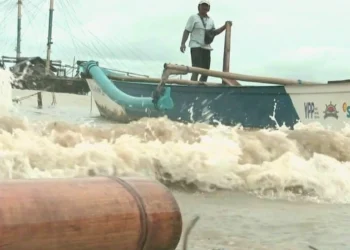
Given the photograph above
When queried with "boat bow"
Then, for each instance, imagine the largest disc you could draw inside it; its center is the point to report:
(162, 102)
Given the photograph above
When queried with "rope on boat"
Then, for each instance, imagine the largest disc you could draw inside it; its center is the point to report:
(191, 226)
(38, 94)
(17, 100)
(188, 231)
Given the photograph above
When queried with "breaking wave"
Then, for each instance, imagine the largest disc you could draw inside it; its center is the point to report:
(309, 162)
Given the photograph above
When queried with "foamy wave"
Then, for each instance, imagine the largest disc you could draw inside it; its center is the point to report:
(311, 164)
(6, 77)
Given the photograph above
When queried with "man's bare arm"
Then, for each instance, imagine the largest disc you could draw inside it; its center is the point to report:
(220, 30)
(183, 40)
(184, 37)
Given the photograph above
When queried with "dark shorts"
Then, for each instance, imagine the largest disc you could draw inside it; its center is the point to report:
(200, 58)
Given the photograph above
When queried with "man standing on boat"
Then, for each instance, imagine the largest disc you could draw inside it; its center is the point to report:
(203, 31)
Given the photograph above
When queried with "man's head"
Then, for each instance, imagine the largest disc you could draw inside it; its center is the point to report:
(204, 7)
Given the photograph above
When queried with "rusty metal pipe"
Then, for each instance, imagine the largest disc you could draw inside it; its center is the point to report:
(88, 214)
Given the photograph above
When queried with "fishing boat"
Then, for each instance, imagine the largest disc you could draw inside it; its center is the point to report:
(30, 73)
(124, 99)
(36, 73)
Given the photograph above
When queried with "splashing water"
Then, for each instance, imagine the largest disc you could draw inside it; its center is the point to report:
(222, 164)
(309, 162)
(6, 77)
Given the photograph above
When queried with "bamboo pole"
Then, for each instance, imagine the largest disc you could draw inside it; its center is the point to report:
(171, 69)
(227, 48)
(227, 51)
(157, 80)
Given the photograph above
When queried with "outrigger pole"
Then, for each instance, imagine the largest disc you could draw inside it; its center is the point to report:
(174, 69)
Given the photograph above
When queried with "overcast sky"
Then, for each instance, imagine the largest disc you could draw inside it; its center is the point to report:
(303, 39)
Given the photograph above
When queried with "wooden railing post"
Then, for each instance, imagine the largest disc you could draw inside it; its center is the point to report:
(227, 52)
(40, 100)
(227, 48)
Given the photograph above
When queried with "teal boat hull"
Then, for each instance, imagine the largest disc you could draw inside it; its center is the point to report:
(249, 106)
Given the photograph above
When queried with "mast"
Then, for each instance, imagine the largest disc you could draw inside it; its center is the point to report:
(49, 39)
(19, 20)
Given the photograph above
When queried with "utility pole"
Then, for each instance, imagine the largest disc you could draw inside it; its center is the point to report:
(49, 39)
(19, 20)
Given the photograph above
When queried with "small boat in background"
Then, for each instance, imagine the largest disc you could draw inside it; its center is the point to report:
(36, 73)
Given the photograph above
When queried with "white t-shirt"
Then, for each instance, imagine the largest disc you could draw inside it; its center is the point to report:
(195, 27)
